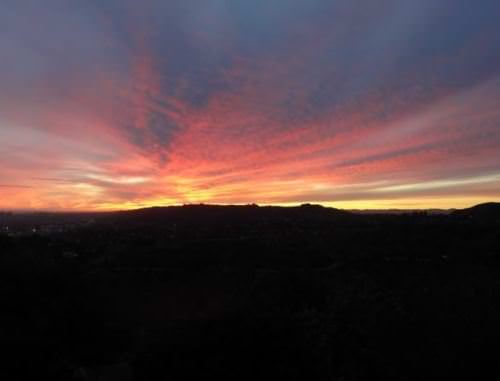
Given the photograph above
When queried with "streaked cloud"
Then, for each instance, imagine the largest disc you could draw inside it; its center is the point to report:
(114, 104)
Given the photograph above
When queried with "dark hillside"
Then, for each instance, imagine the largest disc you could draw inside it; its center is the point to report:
(249, 292)
(486, 212)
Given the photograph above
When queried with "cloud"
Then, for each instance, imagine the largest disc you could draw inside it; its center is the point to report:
(108, 104)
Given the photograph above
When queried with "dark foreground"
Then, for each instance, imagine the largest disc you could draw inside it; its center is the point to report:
(245, 293)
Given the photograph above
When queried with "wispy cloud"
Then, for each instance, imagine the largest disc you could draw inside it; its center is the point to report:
(111, 104)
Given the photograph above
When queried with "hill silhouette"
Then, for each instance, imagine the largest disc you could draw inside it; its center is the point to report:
(487, 211)
(247, 292)
(248, 214)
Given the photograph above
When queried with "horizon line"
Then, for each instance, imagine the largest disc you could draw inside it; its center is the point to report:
(262, 205)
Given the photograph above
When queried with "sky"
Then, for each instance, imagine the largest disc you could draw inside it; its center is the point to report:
(358, 104)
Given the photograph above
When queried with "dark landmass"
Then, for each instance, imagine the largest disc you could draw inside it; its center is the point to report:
(247, 292)
(488, 211)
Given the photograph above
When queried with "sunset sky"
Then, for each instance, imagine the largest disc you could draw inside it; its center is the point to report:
(114, 104)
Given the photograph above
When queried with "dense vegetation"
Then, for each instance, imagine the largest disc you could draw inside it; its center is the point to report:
(246, 292)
